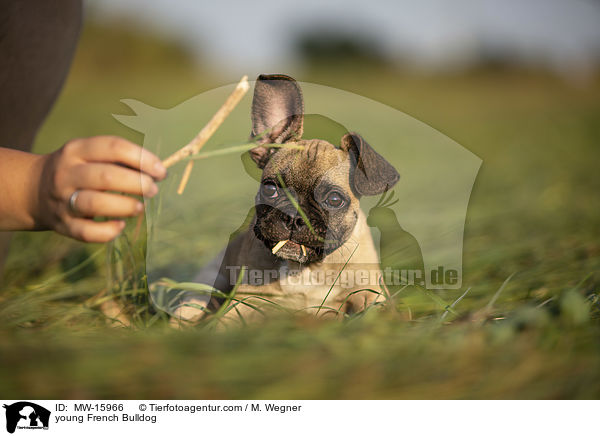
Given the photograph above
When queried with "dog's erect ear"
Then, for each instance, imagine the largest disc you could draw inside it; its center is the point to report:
(371, 173)
(277, 114)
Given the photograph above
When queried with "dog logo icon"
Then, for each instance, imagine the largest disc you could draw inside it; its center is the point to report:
(26, 415)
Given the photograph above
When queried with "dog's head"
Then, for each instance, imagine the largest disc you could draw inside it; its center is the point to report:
(308, 196)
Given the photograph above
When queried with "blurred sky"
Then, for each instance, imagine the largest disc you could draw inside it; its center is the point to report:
(257, 35)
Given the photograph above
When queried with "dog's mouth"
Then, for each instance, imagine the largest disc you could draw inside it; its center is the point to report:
(288, 245)
(296, 247)
(292, 250)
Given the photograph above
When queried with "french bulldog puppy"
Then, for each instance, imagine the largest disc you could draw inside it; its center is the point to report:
(308, 227)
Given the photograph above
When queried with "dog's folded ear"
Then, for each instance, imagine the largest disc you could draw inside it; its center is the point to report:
(277, 114)
(371, 173)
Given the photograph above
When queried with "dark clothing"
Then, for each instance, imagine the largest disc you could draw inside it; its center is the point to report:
(37, 43)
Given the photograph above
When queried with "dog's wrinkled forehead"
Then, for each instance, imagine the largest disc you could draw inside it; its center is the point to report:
(319, 161)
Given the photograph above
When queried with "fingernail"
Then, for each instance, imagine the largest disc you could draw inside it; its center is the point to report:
(160, 170)
(139, 207)
(153, 190)
(121, 225)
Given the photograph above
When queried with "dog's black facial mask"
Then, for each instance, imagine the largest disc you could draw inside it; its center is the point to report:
(323, 226)
(323, 181)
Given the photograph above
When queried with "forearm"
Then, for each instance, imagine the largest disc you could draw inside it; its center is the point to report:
(37, 191)
(20, 175)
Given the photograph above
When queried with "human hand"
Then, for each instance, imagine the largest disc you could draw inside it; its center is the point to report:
(75, 181)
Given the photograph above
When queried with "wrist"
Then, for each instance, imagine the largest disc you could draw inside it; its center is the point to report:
(39, 214)
(20, 179)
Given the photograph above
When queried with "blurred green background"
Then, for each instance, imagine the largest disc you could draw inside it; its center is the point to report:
(533, 218)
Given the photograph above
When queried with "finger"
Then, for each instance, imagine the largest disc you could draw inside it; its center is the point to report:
(93, 203)
(115, 149)
(91, 231)
(107, 177)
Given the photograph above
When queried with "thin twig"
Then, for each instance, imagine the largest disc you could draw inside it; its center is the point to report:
(198, 142)
(185, 177)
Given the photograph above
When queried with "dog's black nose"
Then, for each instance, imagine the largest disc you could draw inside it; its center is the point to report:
(293, 222)
(299, 222)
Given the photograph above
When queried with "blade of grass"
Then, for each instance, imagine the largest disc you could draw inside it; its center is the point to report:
(356, 292)
(498, 292)
(231, 295)
(336, 278)
(238, 149)
(455, 303)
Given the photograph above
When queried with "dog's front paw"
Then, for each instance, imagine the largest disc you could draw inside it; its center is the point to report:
(360, 300)
(189, 313)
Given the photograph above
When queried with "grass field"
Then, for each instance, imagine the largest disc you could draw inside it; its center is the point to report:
(532, 233)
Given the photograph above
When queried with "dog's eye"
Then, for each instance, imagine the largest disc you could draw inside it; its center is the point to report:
(335, 200)
(269, 190)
